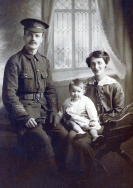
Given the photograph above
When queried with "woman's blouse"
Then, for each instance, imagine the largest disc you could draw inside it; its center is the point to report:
(107, 95)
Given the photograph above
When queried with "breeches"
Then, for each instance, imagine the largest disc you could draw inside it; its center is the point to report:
(39, 141)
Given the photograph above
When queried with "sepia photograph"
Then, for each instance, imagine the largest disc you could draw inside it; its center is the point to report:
(66, 94)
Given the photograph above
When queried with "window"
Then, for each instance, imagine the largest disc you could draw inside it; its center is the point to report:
(76, 33)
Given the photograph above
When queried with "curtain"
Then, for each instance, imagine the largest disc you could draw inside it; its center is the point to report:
(110, 13)
(47, 16)
(116, 22)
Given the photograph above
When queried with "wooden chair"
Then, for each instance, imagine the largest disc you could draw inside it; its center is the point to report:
(117, 130)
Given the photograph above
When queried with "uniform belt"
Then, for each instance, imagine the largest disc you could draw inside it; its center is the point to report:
(33, 96)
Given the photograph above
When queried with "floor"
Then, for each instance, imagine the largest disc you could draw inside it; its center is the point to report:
(120, 174)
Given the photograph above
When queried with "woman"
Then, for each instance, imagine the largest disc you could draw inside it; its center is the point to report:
(104, 91)
(108, 97)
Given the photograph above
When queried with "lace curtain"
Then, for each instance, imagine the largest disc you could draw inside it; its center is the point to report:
(114, 29)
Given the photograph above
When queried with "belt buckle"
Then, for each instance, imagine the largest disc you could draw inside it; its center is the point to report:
(37, 96)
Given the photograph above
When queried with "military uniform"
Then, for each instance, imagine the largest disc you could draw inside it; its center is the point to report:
(28, 87)
(28, 92)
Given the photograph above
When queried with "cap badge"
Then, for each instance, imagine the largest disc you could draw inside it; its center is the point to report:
(35, 24)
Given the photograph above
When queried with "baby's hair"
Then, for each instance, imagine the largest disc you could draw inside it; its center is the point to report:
(98, 54)
(76, 82)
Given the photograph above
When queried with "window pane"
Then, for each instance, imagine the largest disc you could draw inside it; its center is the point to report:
(62, 40)
(81, 4)
(81, 38)
(96, 36)
(96, 30)
(63, 4)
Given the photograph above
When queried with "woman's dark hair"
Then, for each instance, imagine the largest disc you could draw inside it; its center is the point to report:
(98, 54)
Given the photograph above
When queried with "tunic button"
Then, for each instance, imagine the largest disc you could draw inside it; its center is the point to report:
(37, 70)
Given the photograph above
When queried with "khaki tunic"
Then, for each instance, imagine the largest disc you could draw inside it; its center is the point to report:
(27, 77)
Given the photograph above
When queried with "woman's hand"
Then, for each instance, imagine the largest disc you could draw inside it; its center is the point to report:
(92, 124)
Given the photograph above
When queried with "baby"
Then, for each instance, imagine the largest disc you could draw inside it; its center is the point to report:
(79, 112)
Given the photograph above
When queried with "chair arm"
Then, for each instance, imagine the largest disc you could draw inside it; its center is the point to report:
(121, 124)
(127, 110)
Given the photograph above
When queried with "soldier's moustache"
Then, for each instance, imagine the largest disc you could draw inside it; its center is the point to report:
(33, 42)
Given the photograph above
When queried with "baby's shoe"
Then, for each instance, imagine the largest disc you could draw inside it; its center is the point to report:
(98, 141)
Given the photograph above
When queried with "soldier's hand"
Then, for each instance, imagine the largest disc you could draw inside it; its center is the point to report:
(31, 123)
(54, 118)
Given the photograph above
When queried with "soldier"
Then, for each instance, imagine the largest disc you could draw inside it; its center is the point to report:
(29, 94)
